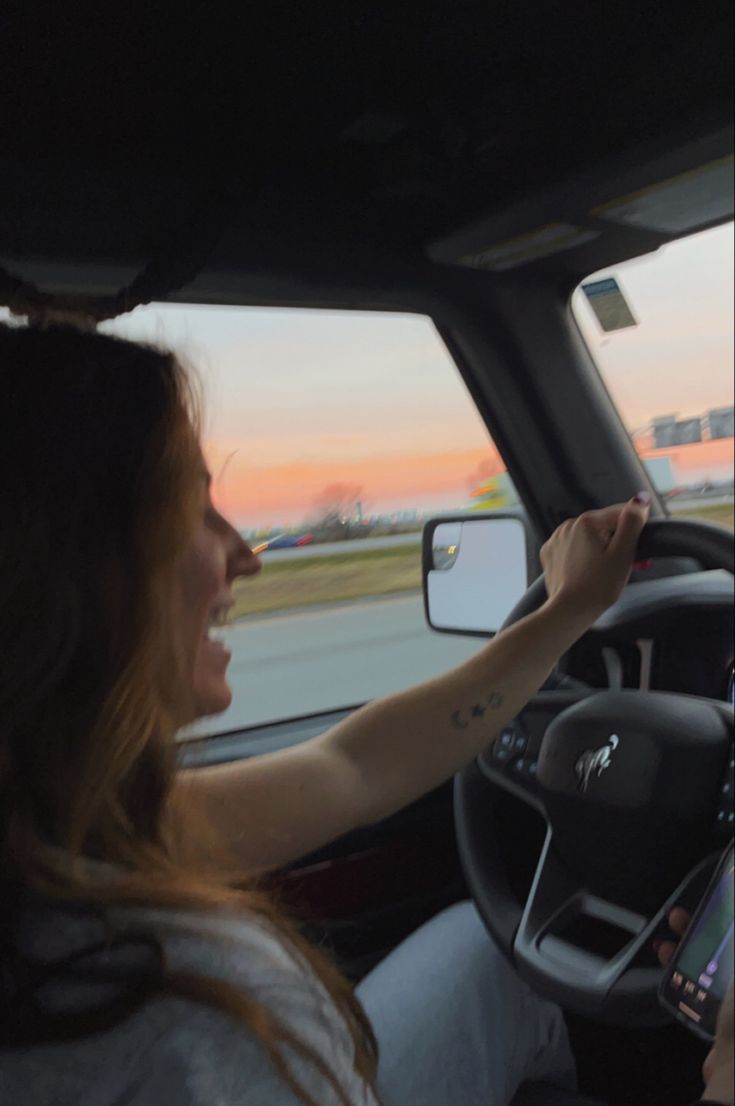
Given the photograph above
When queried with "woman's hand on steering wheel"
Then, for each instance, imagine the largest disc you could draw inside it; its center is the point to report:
(587, 561)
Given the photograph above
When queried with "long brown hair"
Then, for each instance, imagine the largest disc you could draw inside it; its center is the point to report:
(97, 478)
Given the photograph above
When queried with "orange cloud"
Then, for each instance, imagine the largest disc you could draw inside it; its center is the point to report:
(255, 494)
(267, 494)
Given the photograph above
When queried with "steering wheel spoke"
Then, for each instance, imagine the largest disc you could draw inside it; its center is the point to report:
(590, 954)
(589, 946)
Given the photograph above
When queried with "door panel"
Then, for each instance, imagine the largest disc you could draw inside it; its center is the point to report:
(366, 892)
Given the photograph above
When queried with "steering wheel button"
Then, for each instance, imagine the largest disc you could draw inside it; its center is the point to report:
(500, 752)
(505, 740)
(519, 743)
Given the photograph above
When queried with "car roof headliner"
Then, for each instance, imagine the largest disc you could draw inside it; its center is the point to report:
(295, 133)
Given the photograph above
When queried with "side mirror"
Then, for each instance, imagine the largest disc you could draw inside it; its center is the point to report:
(475, 569)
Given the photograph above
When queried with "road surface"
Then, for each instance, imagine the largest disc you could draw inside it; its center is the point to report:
(285, 665)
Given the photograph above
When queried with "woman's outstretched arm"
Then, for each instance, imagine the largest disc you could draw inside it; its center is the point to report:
(272, 809)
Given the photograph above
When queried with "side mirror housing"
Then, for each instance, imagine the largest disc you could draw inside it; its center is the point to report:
(475, 568)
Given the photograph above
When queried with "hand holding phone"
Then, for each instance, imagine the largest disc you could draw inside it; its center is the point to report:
(717, 1070)
(706, 937)
(701, 968)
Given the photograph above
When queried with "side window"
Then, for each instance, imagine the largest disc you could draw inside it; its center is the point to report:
(331, 436)
(660, 329)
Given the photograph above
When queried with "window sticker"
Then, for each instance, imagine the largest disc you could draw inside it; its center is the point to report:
(609, 305)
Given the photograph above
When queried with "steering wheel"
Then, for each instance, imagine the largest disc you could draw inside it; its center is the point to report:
(629, 784)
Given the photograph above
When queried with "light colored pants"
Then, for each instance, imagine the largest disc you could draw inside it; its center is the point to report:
(455, 1024)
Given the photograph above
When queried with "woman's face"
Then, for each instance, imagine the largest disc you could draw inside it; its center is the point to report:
(207, 566)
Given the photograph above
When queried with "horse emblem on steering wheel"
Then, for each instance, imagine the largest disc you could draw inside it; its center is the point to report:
(595, 761)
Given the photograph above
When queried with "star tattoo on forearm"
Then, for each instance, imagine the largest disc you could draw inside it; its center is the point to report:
(461, 718)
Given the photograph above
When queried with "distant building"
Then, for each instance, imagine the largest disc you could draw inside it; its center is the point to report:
(721, 422)
(494, 494)
(669, 431)
(664, 431)
(688, 431)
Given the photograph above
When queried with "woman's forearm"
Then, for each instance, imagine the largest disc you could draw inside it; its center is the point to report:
(276, 807)
(406, 744)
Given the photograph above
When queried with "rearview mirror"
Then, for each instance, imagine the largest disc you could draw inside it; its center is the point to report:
(475, 569)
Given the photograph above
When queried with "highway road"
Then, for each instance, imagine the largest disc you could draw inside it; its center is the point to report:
(285, 665)
(334, 548)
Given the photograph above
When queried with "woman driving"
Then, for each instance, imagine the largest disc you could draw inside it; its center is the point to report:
(141, 962)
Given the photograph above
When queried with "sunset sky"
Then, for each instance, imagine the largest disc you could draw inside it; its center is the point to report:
(297, 401)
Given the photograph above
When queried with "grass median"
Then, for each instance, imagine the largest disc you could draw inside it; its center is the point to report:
(304, 580)
(721, 513)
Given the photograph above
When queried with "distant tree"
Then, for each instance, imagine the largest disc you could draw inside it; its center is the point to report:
(334, 511)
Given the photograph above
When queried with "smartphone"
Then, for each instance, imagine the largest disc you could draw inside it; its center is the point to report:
(699, 974)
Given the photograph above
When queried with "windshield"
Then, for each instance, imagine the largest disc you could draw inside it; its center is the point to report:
(660, 329)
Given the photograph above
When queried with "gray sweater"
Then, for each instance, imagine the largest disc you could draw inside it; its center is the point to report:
(173, 1052)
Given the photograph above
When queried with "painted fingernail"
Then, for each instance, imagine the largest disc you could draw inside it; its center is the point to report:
(643, 498)
(642, 566)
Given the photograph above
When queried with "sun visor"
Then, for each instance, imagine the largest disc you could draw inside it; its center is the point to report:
(679, 205)
(627, 206)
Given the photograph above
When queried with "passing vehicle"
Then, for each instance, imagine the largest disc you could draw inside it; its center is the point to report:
(445, 179)
(287, 541)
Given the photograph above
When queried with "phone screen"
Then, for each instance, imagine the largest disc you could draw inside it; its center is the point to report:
(699, 974)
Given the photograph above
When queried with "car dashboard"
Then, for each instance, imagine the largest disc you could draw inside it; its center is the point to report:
(671, 633)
